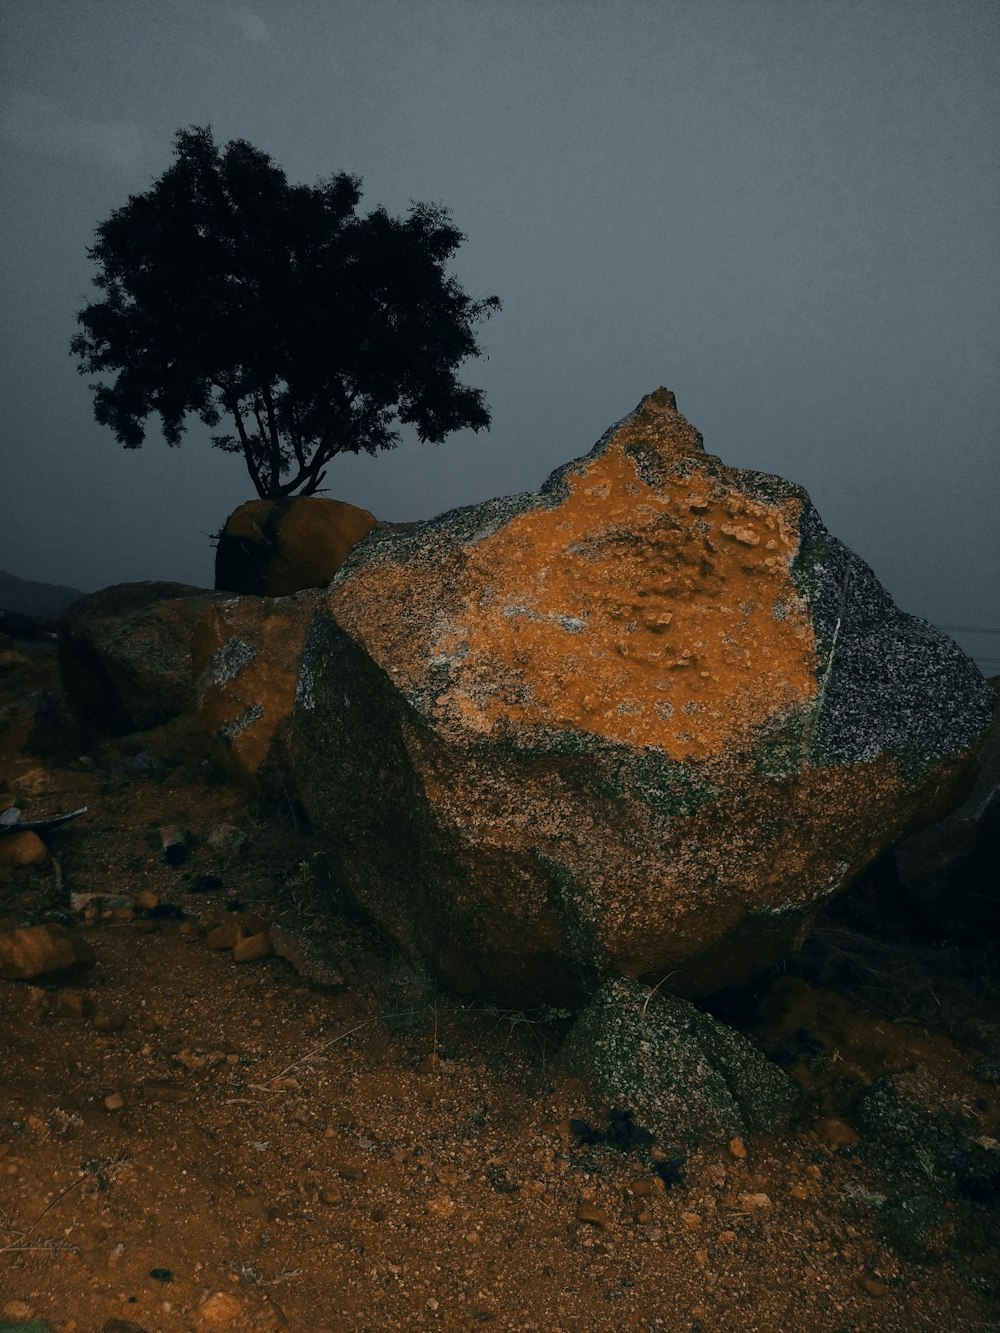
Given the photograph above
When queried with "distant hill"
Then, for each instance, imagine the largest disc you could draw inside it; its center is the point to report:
(28, 598)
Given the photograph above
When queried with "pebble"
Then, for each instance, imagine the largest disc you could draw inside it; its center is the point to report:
(162, 1090)
(441, 1205)
(647, 1186)
(836, 1133)
(147, 900)
(219, 1308)
(737, 1148)
(250, 948)
(175, 843)
(223, 936)
(874, 1287)
(109, 1020)
(23, 849)
(72, 1004)
(592, 1213)
(114, 1101)
(226, 838)
(755, 1203)
(36, 782)
(17, 1310)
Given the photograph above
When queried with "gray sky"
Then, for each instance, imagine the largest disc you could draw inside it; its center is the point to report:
(784, 210)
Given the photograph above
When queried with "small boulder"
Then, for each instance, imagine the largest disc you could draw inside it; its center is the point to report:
(683, 1077)
(51, 951)
(23, 849)
(273, 548)
(125, 654)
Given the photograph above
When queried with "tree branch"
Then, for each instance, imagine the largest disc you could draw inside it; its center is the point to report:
(274, 440)
(231, 403)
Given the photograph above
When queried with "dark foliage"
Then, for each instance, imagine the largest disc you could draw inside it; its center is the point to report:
(227, 290)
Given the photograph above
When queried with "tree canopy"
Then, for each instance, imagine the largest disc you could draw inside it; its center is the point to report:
(228, 291)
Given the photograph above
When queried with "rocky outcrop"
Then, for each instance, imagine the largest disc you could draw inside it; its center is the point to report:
(685, 1078)
(245, 656)
(273, 548)
(643, 721)
(125, 654)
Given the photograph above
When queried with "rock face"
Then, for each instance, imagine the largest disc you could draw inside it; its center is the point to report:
(643, 721)
(125, 654)
(273, 548)
(245, 656)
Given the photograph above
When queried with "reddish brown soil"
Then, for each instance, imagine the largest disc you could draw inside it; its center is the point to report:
(378, 1155)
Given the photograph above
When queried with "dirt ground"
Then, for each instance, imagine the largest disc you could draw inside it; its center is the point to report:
(193, 1135)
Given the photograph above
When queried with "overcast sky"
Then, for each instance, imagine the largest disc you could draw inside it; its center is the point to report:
(786, 211)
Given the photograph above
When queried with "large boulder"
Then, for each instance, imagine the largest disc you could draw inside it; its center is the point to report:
(644, 721)
(245, 655)
(273, 548)
(125, 654)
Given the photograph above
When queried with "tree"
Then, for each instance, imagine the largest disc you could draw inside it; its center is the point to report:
(227, 290)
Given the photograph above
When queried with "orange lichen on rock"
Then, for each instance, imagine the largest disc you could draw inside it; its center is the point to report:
(650, 610)
(245, 657)
(666, 601)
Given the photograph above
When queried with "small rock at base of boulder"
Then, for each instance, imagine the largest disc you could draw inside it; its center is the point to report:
(27, 952)
(683, 1076)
